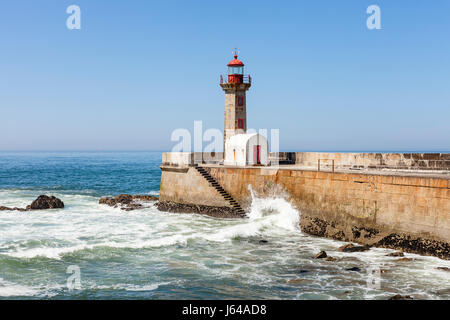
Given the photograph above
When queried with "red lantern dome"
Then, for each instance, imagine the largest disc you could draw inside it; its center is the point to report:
(235, 62)
(235, 73)
(235, 70)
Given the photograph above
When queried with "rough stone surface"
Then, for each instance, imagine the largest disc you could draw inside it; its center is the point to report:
(404, 260)
(11, 209)
(396, 254)
(218, 212)
(407, 243)
(356, 269)
(45, 202)
(416, 245)
(189, 187)
(321, 255)
(400, 297)
(443, 269)
(403, 212)
(352, 248)
(41, 203)
(127, 202)
(411, 161)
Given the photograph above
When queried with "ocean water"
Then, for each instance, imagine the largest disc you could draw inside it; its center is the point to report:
(147, 254)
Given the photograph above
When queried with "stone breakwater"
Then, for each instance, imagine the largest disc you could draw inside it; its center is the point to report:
(408, 211)
(217, 212)
(129, 202)
(372, 238)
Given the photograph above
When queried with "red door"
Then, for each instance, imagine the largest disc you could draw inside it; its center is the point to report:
(257, 154)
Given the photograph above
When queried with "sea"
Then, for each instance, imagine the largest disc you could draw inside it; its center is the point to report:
(92, 251)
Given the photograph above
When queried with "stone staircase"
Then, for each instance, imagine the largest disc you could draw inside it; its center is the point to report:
(213, 182)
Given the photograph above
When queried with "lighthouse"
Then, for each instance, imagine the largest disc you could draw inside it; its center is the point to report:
(240, 148)
(235, 86)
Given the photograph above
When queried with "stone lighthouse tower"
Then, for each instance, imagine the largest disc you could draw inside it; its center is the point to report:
(235, 85)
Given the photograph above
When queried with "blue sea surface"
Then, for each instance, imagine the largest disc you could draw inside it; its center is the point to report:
(97, 173)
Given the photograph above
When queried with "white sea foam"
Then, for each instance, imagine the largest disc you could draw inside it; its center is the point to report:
(8, 289)
(86, 225)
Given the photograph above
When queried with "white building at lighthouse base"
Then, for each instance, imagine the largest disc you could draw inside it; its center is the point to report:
(246, 150)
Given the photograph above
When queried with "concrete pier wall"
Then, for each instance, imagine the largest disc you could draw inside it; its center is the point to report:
(410, 161)
(414, 205)
(406, 211)
(186, 186)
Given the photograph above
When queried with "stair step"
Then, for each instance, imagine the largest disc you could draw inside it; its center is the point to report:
(234, 204)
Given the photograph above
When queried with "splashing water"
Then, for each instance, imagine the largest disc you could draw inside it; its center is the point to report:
(151, 254)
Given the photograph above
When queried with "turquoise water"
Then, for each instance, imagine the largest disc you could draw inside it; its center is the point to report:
(148, 254)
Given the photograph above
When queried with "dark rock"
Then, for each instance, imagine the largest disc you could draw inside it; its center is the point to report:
(443, 268)
(302, 271)
(404, 259)
(330, 259)
(352, 248)
(400, 297)
(416, 245)
(127, 202)
(396, 254)
(321, 255)
(353, 269)
(217, 212)
(11, 209)
(45, 202)
(407, 243)
(263, 241)
(41, 203)
(340, 235)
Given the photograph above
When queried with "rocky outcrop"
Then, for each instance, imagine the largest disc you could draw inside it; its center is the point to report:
(127, 202)
(45, 202)
(218, 212)
(321, 255)
(400, 297)
(416, 245)
(355, 269)
(396, 254)
(404, 260)
(352, 248)
(443, 269)
(374, 238)
(41, 203)
(11, 209)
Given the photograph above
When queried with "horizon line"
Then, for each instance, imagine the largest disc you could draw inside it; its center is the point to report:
(159, 150)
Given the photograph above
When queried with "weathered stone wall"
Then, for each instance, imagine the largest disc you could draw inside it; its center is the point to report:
(187, 186)
(422, 161)
(355, 207)
(184, 159)
(397, 211)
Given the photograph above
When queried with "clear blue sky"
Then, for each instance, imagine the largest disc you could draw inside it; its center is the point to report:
(137, 70)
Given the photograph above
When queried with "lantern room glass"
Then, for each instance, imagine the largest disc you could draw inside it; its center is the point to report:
(235, 70)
